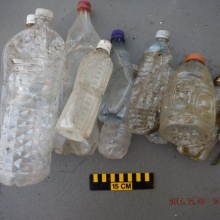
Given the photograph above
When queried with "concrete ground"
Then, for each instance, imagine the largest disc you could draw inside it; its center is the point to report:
(65, 194)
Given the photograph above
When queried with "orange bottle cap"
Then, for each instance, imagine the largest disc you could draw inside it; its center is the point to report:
(195, 56)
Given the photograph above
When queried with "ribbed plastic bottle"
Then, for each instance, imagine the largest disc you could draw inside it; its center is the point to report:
(80, 112)
(33, 65)
(114, 137)
(150, 86)
(82, 39)
(189, 109)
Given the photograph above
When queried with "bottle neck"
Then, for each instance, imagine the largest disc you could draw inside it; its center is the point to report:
(43, 20)
(102, 50)
(84, 17)
(196, 61)
(162, 39)
(117, 42)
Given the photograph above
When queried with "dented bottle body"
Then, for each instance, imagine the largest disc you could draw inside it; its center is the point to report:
(149, 88)
(33, 64)
(188, 111)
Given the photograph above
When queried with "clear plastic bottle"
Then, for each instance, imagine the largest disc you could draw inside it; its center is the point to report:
(82, 39)
(116, 101)
(80, 112)
(150, 86)
(114, 137)
(33, 64)
(188, 111)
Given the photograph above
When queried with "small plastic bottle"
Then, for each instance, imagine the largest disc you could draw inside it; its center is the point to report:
(150, 86)
(80, 112)
(189, 108)
(114, 137)
(82, 39)
(33, 66)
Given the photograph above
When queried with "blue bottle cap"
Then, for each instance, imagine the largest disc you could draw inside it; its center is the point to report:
(118, 33)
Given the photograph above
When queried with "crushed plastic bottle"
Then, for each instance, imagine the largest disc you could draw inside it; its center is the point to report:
(33, 64)
(114, 137)
(80, 112)
(116, 101)
(82, 39)
(188, 112)
(150, 86)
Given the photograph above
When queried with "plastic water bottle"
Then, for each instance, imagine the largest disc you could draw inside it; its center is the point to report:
(114, 137)
(188, 112)
(82, 39)
(33, 63)
(150, 86)
(80, 112)
(116, 101)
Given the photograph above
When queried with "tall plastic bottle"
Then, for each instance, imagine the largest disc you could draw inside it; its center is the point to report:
(82, 39)
(150, 86)
(80, 112)
(114, 137)
(33, 64)
(189, 109)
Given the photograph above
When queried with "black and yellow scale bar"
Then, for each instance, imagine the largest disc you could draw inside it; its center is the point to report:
(121, 181)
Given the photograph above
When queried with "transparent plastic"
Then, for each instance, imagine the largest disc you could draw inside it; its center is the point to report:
(149, 89)
(33, 64)
(156, 138)
(82, 39)
(80, 112)
(114, 137)
(116, 101)
(114, 140)
(86, 147)
(188, 111)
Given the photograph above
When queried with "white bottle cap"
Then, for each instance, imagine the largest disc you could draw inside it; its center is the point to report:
(135, 67)
(106, 45)
(163, 34)
(41, 12)
(30, 19)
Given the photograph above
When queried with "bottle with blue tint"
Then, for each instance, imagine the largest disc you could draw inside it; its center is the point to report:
(116, 101)
(115, 137)
(150, 85)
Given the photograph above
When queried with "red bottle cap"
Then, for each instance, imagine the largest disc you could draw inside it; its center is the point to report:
(84, 5)
(195, 56)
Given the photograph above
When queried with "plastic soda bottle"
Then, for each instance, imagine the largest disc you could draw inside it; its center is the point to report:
(82, 39)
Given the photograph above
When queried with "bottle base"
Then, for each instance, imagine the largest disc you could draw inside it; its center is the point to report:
(19, 179)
